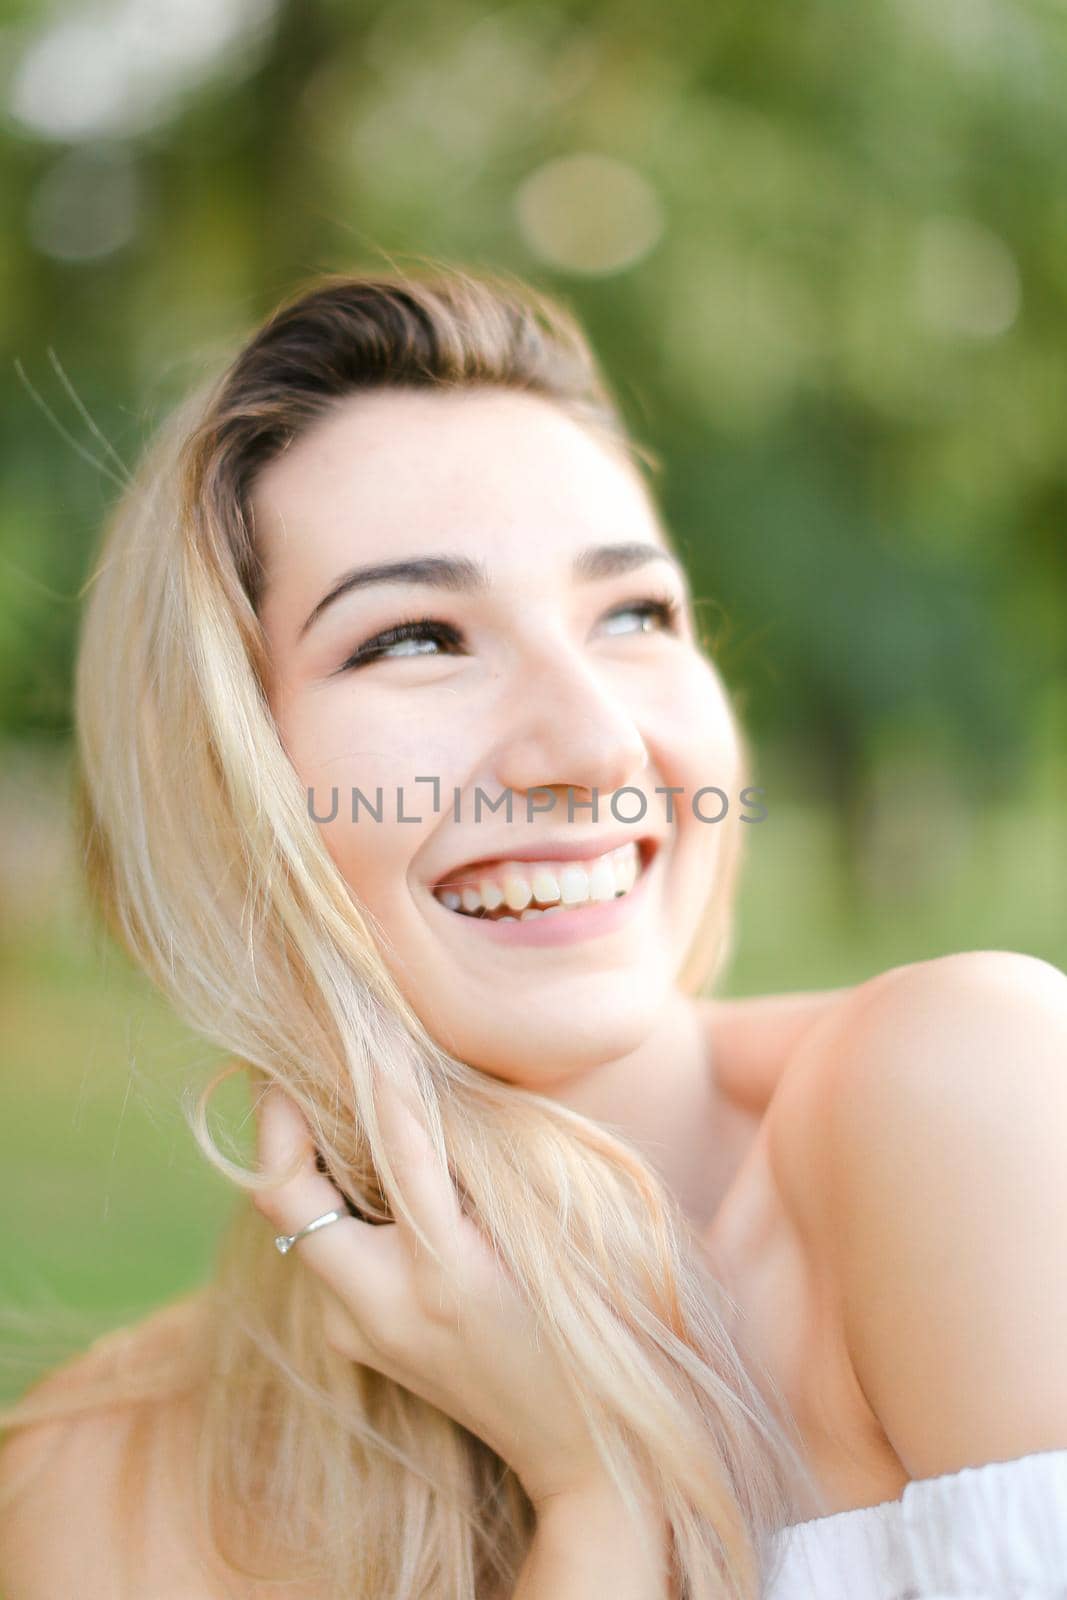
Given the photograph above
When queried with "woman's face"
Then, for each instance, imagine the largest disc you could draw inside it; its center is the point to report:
(547, 664)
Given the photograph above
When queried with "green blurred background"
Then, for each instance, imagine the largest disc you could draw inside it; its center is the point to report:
(822, 252)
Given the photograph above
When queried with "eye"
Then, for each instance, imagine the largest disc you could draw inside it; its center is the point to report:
(430, 636)
(656, 615)
(414, 633)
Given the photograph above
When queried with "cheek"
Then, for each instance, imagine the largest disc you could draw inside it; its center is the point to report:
(697, 748)
(695, 736)
(334, 754)
(337, 750)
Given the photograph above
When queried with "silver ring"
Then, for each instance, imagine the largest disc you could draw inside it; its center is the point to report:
(286, 1241)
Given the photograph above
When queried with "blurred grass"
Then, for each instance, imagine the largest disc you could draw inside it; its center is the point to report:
(111, 1208)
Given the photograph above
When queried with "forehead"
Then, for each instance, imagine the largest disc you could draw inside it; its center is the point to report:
(499, 474)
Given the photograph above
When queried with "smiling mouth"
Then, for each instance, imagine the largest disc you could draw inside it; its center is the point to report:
(519, 891)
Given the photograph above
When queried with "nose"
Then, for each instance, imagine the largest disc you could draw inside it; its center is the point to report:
(564, 728)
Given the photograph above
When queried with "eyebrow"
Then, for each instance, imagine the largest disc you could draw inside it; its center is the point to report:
(460, 573)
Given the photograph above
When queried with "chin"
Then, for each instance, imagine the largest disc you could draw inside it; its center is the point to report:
(577, 1044)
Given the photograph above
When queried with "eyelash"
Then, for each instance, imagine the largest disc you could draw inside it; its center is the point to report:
(666, 611)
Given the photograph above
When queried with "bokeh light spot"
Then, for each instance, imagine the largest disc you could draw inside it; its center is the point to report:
(589, 214)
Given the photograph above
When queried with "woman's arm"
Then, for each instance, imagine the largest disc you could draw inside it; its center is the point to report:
(588, 1544)
(936, 1195)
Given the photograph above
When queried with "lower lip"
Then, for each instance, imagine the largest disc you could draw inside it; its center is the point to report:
(591, 920)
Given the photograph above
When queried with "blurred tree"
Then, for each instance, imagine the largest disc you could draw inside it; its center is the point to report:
(821, 252)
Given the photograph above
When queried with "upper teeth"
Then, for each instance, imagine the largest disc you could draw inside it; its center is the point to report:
(552, 884)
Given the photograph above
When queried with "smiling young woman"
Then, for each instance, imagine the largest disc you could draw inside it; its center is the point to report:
(585, 1318)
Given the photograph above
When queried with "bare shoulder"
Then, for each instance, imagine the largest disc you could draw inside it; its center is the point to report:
(904, 1043)
(54, 1482)
(917, 1145)
(68, 1482)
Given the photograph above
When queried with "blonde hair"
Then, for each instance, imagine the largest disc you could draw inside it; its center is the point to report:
(204, 862)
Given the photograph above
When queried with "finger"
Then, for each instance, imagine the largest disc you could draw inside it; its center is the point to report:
(425, 1181)
(358, 1261)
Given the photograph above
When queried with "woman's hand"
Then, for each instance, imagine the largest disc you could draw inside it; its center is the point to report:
(465, 1339)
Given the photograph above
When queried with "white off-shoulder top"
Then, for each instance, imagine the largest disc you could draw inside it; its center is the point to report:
(992, 1532)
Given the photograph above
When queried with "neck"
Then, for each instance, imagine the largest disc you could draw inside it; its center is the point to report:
(664, 1098)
